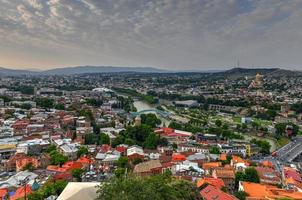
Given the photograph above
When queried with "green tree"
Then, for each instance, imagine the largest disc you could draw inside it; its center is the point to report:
(218, 123)
(45, 102)
(175, 125)
(136, 161)
(91, 138)
(26, 106)
(239, 176)
(241, 195)
(122, 162)
(214, 150)
(163, 142)
(82, 151)
(77, 174)
(87, 114)
(51, 148)
(35, 196)
(129, 141)
(174, 146)
(94, 102)
(249, 175)
(48, 189)
(119, 172)
(57, 158)
(148, 188)
(264, 145)
(150, 119)
(104, 139)
(60, 106)
(152, 141)
(29, 167)
(58, 187)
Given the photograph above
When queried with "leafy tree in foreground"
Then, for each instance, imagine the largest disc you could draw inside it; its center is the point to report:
(160, 187)
(122, 162)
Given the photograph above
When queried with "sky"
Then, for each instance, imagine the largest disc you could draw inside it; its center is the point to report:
(167, 34)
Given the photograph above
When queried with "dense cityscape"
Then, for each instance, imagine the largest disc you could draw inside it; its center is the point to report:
(234, 134)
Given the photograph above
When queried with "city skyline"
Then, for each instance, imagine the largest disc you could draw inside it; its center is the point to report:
(171, 35)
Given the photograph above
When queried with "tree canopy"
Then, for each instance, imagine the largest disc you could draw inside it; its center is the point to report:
(250, 175)
(57, 158)
(150, 119)
(159, 187)
(82, 151)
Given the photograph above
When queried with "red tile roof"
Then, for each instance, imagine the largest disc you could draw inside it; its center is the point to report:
(3, 192)
(289, 172)
(176, 157)
(70, 165)
(20, 192)
(216, 182)
(121, 149)
(84, 160)
(212, 193)
(63, 176)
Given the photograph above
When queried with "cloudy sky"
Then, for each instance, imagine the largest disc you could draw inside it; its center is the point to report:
(168, 34)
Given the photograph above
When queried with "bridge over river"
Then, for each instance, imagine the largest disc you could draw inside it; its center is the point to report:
(160, 112)
(290, 152)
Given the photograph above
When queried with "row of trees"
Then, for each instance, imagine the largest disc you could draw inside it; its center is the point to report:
(185, 127)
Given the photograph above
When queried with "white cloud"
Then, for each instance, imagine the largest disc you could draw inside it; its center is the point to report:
(164, 33)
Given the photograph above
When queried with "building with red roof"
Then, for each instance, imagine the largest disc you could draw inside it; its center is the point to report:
(216, 182)
(177, 157)
(268, 175)
(23, 162)
(67, 167)
(71, 165)
(84, 160)
(121, 148)
(63, 176)
(105, 148)
(172, 135)
(210, 193)
(291, 173)
(3, 192)
(20, 192)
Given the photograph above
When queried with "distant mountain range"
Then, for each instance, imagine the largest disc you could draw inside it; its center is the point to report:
(109, 69)
(80, 70)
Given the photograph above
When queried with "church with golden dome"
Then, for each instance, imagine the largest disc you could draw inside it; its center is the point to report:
(257, 83)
